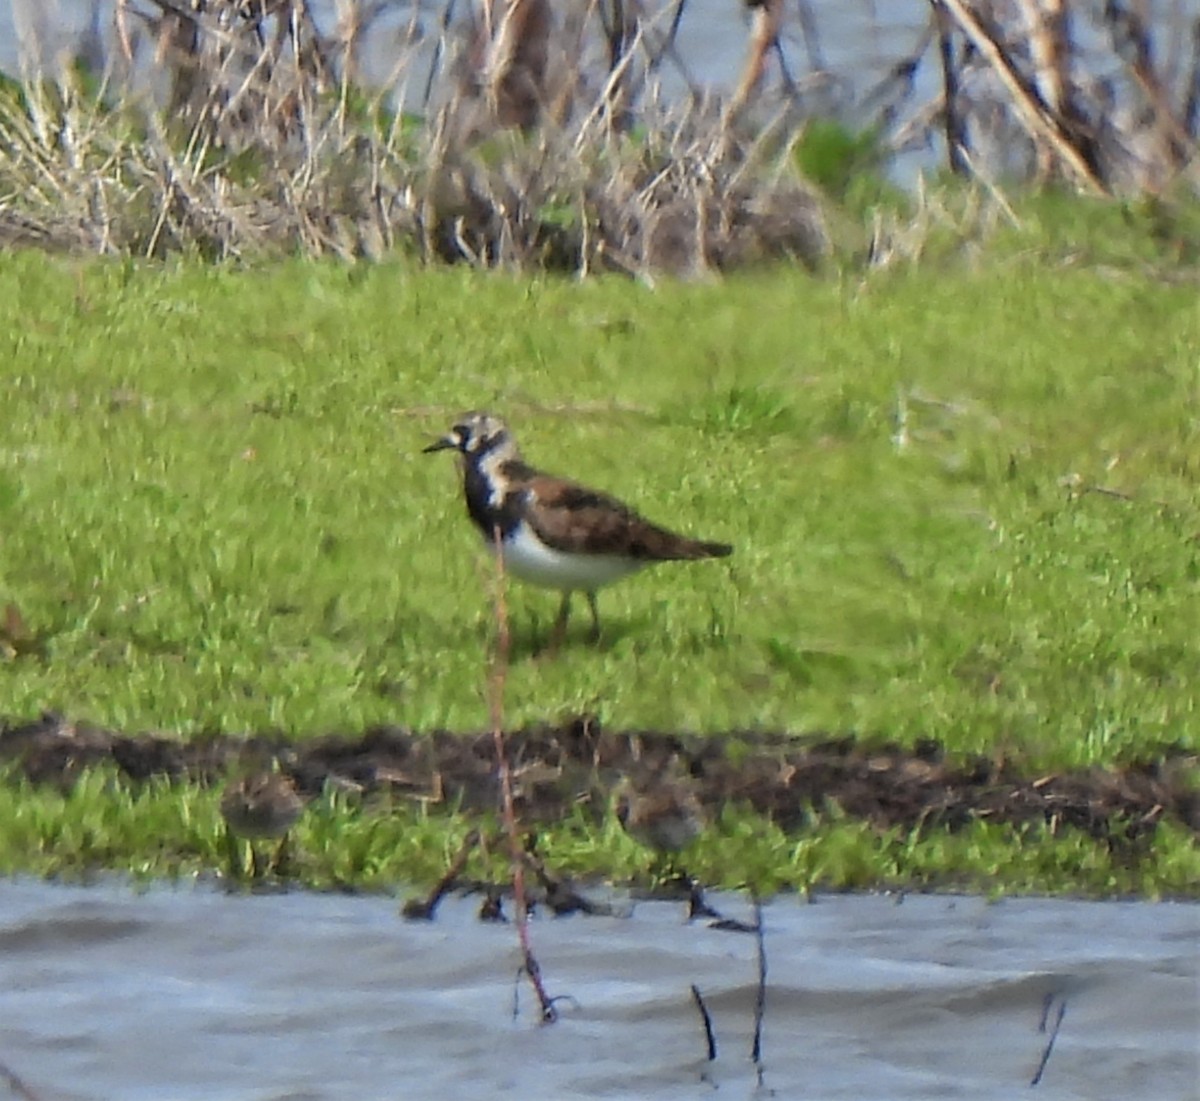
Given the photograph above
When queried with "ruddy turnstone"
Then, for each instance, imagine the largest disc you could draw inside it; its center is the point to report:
(553, 532)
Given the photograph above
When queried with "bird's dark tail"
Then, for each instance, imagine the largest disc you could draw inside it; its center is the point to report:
(688, 549)
(650, 543)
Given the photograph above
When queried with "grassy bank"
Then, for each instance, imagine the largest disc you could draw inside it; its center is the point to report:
(156, 831)
(963, 502)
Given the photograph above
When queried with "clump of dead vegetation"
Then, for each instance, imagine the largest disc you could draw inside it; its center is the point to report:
(230, 129)
(524, 134)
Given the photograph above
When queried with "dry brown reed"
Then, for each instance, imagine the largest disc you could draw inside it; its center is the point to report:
(1094, 95)
(233, 129)
(535, 134)
(496, 681)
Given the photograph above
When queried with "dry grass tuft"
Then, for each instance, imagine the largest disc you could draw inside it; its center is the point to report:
(249, 137)
(532, 134)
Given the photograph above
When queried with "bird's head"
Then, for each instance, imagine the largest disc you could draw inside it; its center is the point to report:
(475, 435)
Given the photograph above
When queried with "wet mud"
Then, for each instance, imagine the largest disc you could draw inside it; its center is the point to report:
(560, 768)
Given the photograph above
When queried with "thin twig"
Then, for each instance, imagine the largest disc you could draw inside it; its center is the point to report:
(956, 130)
(1191, 104)
(1039, 121)
(560, 894)
(1048, 1000)
(993, 189)
(668, 43)
(785, 70)
(765, 21)
(1062, 1009)
(17, 1085)
(901, 75)
(497, 676)
(1048, 26)
(435, 62)
(812, 37)
(710, 1038)
(425, 909)
(760, 998)
(1131, 43)
(603, 102)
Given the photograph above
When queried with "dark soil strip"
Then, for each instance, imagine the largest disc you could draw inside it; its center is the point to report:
(561, 768)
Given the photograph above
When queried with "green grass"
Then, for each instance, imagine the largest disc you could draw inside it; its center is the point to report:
(158, 831)
(214, 514)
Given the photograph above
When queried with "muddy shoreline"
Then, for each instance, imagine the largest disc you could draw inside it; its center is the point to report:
(560, 768)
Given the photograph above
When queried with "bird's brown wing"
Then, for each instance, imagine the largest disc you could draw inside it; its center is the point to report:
(578, 520)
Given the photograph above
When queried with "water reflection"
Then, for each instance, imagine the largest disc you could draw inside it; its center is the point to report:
(111, 993)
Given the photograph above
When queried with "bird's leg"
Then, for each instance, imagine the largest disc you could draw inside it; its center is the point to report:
(257, 871)
(560, 622)
(667, 873)
(281, 863)
(591, 599)
(235, 853)
(698, 906)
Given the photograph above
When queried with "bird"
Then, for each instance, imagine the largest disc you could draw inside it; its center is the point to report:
(658, 811)
(658, 807)
(259, 806)
(554, 532)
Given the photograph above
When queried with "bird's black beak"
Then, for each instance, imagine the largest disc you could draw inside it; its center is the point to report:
(444, 444)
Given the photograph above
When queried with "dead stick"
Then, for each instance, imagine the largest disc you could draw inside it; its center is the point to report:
(667, 47)
(902, 73)
(706, 1020)
(620, 32)
(785, 71)
(17, 1085)
(516, 851)
(956, 131)
(1062, 1009)
(124, 38)
(1038, 120)
(1048, 1000)
(1045, 25)
(766, 17)
(1131, 37)
(760, 999)
(668, 43)
(435, 63)
(424, 909)
(1191, 106)
(812, 38)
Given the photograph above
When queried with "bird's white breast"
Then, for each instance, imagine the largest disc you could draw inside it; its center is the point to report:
(529, 559)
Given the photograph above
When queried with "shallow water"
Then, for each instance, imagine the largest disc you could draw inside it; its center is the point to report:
(712, 35)
(858, 43)
(106, 992)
